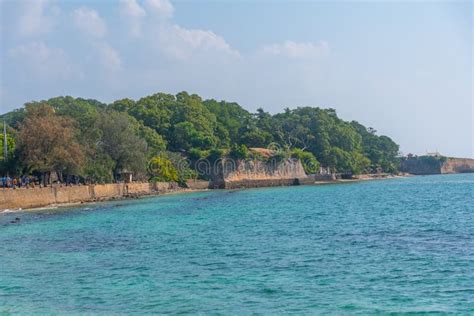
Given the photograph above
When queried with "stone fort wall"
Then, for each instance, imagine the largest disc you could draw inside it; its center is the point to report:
(230, 174)
(423, 166)
(39, 197)
(458, 165)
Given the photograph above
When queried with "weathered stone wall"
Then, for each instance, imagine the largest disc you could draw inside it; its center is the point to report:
(259, 170)
(163, 187)
(139, 188)
(197, 184)
(27, 198)
(38, 197)
(458, 165)
(430, 165)
(69, 194)
(256, 173)
(259, 183)
(304, 181)
(324, 177)
(106, 191)
(421, 166)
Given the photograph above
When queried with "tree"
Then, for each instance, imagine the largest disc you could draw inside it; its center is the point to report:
(309, 162)
(8, 164)
(381, 150)
(256, 138)
(10, 147)
(239, 152)
(193, 124)
(120, 142)
(182, 166)
(232, 120)
(127, 133)
(48, 142)
(340, 160)
(161, 169)
(186, 136)
(98, 168)
(155, 141)
(153, 111)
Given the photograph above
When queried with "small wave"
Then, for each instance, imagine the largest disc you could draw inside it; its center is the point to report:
(468, 290)
(10, 210)
(458, 181)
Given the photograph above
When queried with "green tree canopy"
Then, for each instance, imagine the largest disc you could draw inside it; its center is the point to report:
(121, 143)
(125, 133)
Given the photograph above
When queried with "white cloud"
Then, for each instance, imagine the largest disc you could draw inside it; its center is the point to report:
(168, 38)
(108, 56)
(297, 50)
(37, 17)
(182, 43)
(132, 13)
(89, 22)
(161, 8)
(42, 60)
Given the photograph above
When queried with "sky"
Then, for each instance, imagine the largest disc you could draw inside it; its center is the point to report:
(403, 68)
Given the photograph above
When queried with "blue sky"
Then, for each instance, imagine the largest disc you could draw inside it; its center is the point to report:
(404, 68)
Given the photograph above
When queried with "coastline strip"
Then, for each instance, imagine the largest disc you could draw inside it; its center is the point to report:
(12, 200)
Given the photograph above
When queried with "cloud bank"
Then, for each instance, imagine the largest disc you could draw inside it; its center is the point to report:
(148, 47)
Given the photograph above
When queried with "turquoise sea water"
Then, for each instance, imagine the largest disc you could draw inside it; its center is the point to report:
(401, 245)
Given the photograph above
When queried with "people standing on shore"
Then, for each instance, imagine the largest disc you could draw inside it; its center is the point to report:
(28, 181)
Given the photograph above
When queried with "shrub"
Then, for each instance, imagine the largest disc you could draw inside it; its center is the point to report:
(215, 154)
(239, 152)
(308, 160)
(161, 169)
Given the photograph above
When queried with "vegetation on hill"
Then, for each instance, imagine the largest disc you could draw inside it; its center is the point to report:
(96, 141)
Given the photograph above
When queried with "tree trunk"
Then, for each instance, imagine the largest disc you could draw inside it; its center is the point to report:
(46, 177)
(116, 174)
(60, 176)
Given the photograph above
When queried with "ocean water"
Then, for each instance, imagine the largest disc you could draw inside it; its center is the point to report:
(399, 245)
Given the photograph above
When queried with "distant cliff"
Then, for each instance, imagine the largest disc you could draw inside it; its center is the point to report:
(436, 165)
(458, 165)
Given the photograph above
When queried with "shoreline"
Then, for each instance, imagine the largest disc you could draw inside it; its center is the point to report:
(103, 200)
(176, 191)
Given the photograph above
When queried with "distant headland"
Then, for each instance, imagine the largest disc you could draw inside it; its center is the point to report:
(183, 141)
(435, 163)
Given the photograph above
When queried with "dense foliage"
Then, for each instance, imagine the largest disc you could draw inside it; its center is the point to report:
(161, 169)
(48, 142)
(98, 141)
